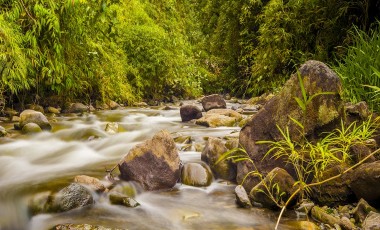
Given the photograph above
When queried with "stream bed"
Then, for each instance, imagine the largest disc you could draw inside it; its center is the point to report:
(78, 145)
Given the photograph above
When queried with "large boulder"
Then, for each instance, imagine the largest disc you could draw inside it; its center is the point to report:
(190, 112)
(71, 197)
(212, 152)
(320, 112)
(365, 182)
(214, 101)
(154, 163)
(31, 116)
(278, 184)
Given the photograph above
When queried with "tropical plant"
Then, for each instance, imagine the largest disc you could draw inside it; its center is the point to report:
(360, 69)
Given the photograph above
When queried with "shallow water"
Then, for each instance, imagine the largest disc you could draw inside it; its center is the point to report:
(77, 145)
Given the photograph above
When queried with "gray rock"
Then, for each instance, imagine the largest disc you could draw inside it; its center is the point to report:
(242, 198)
(71, 197)
(190, 112)
(31, 116)
(323, 112)
(213, 150)
(213, 101)
(31, 128)
(154, 163)
(121, 199)
(278, 184)
(372, 222)
(195, 174)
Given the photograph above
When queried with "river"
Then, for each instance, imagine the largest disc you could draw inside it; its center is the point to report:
(48, 161)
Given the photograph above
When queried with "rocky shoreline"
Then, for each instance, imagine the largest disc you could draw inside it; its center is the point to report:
(348, 202)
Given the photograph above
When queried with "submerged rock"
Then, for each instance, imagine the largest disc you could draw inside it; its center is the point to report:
(121, 199)
(31, 128)
(195, 174)
(31, 116)
(213, 101)
(190, 112)
(3, 131)
(213, 150)
(154, 163)
(71, 197)
(322, 112)
(112, 128)
(279, 184)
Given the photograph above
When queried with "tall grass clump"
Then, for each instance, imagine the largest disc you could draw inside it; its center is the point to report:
(360, 68)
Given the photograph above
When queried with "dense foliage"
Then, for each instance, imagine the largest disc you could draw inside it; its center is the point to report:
(155, 49)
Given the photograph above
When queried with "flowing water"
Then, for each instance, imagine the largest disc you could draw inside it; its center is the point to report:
(31, 164)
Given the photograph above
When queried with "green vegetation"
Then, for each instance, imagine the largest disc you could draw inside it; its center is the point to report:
(148, 49)
(360, 68)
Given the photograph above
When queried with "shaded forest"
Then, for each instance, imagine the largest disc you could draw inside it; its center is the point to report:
(92, 50)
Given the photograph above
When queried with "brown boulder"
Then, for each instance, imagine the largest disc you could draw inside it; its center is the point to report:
(365, 182)
(190, 112)
(154, 163)
(214, 101)
(322, 112)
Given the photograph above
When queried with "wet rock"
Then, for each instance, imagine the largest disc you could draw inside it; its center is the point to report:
(125, 188)
(53, 110)
(77, 108)
(260, 100)
(279, 183)
(183, 140)
(305, 207)
(31, 128)
(213, 150)
(365, 182)
(216, 120)
(3, 131)
(226, 112)
(333, 192)
(242, 198)
(121, 199)
(213, 101)
(190, 112)
(31, 116)
(39, 203)
(91, 182)
(71, 197)
(114, 105)
(372, 222)
(81, 227)
(323, 112)
(361, 210)
(303, 225)
(195, 174)
(154, 163)
(112, 128)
